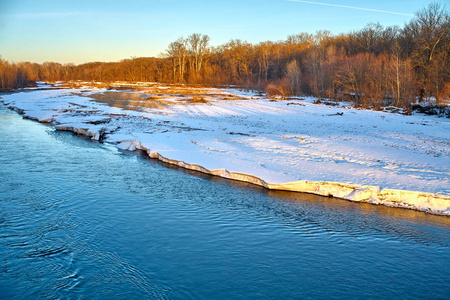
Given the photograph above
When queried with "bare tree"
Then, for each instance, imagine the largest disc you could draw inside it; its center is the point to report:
(430, 32)
(177, 52)
(198, 48)
(293, 75)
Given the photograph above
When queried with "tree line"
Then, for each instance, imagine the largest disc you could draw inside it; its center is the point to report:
(375, 66)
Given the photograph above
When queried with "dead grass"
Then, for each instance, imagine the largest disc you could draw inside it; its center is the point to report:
(151, 96)
(154, 97)
(130, 101)
(158, 90)
(198, 99)
(154, 91)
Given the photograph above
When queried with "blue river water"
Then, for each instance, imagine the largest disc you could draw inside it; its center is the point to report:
(83, 220)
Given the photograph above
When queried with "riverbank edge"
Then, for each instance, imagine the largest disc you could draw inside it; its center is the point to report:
(421, 201)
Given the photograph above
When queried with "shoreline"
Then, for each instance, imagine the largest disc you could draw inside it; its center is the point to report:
(414, 200)
(432, 203)
(367, 194)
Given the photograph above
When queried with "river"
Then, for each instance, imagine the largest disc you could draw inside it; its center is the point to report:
(84, 220)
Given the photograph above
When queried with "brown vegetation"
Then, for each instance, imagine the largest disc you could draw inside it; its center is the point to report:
(376, 66)
(13, 76)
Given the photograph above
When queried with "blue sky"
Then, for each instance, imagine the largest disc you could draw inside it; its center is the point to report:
(81, 31)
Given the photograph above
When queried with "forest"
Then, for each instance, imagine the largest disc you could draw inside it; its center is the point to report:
(373, 67)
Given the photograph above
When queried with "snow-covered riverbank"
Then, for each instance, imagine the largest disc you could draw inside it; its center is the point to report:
(358, 155)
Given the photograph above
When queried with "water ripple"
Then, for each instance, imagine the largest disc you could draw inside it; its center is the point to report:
(83, 220)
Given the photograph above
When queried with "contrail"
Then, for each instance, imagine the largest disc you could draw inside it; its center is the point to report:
(353, 7)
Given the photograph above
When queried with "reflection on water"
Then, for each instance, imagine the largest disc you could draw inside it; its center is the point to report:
(83, 220)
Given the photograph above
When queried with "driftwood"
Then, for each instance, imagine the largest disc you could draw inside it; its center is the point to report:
(336, 114)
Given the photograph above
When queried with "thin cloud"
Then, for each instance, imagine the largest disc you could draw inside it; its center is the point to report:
(352, 7)
(46, 15)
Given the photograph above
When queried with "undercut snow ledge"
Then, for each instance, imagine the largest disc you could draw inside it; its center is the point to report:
(426, 202)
